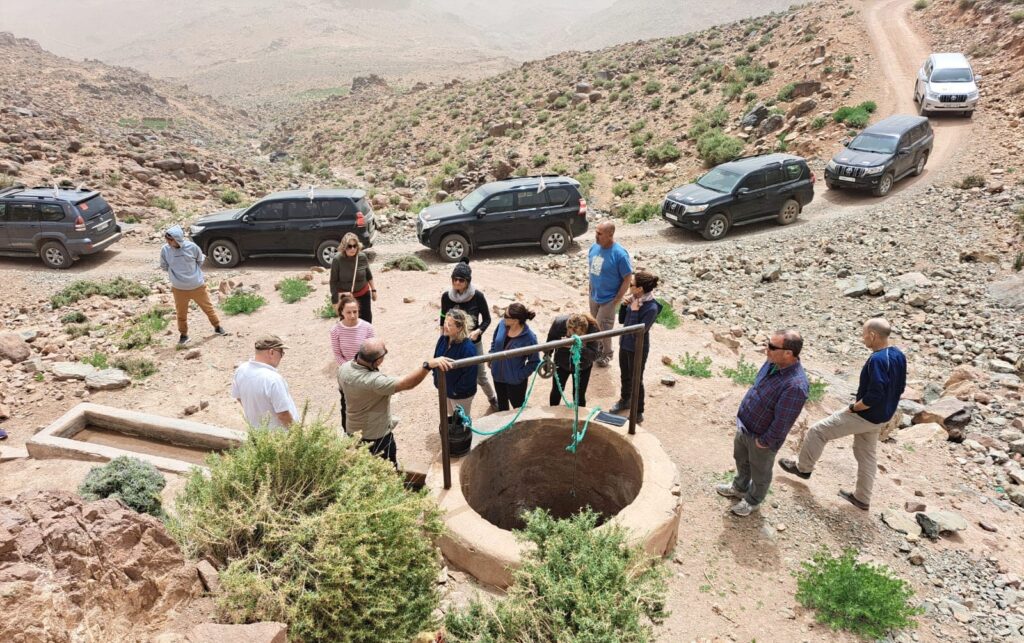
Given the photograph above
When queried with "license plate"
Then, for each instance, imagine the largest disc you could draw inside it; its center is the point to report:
(102, 226)
(671, 216)
(847, 178)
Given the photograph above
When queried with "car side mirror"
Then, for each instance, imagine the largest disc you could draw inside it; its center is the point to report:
(743, 191)
(846, 142)
(481, 212)
(903, 151)
(977, 79)
(246, 218)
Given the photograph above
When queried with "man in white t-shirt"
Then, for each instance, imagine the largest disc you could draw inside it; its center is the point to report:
(261, 390)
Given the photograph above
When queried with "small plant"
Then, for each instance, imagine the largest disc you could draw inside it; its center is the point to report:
(74, 317)
(242, 303)
(163, 203)
(818, 122)
(586, 180)
(638, 212)
(716, 147)
(326, 311)
(293, 289)
(971, 181)
(966, 4)
(920, 4)
(652, 87)
(406, 263)
(693, 366)
(1018, 262)
(561, 102)
(543, 116)
(786, 93)
(230, 197)
(137, 368)
(39, 377)
(96, 360)
(539, 160)
(668, 316)
(117, 288)
(135, 483)
(744, 374)
(865, 599)
(623, 189)
(1017, 17)
(817, 390)
(664, 153)
(75, 331)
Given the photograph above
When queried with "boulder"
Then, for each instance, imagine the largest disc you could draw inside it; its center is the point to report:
(108, 379)
(755, 116)
(584, 88)
(71, 371)
(208, 576)
(801, 108)
(920, 433)
(934, 523)
(805, 88)
(267, 632)
(498, 129)
(940, 410)
(770, 124)
(771, 273)
(502, 170)
(856, 287)
(14, 347)
(901, 522)
(912, 280)
(170, 164)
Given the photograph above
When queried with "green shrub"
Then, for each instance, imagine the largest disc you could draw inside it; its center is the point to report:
(920, 4)
(638, 212)
(1017, 17)
(326, 311)
(693, 366)
(858, 118)
(154, 319)
(862, 598)
(744, 374)
(96, 360)
(971, 181)
(817, 391)
(78, 330)
(117, 288)
(137, 368)
(143, 327)
(818, 122)
(578, 584)
(786, 93)
(242, 303)
(230, 197)
(293, 289)
(623, 189)
(1018, 261)
(715, 147)
(317, 533)
(966, 4)
(652, 87)
(664, 153)
(539, 160)
(561, 102)
(636, 126)
(543, 116)
(137, 336)
(407, 263)
(135, 483)
(706, 122)
(586, 180)
(74, 317)
(164, 203)
(667, 317)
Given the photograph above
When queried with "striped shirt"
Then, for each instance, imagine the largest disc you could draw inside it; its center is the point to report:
(346, 340)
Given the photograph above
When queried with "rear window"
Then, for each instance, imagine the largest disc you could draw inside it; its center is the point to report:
(558, 196)
(92, 207)
(530, 199)
(51, 212)
(792, 171)
(335, 208)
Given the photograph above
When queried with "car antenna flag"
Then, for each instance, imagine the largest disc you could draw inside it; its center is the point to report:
(541, 185)
(55, 191)
(310, 192)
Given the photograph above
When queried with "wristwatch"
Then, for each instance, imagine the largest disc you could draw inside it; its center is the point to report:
(426, 366)
(851, 408)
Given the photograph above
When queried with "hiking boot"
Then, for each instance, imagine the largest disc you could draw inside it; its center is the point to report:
(493, 401)
(789, 466)
(852, 499)
(182, 340)
(619, 407)
(639, 418)
(729, 491)
(220, 331)
(744, 508)
(604, 362)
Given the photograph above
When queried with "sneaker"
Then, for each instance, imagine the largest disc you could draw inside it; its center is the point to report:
(3, 434)
(619, 407)
(220, 331)
(604, 362)
(789, 466)
(182, 340)
(727, 490)
(852, 499)
(639, 418)
(744, 508)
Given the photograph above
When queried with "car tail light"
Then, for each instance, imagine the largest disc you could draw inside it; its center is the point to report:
(79, 224)
(583, 207)
(360, 220)
(813, 178)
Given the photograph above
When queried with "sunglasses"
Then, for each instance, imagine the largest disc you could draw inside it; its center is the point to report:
(351, 246)
(458, 279)
(773, 347)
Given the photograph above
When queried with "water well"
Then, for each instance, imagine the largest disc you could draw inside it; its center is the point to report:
(628, 479)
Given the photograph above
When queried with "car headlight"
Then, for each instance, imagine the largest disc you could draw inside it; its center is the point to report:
(972, 94)
(831, 166)
(196, 229)
(428, 224)
(694, 209)
(930, 95)
(871, 171)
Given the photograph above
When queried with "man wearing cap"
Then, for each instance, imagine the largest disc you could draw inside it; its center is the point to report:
(368, 395)
(182, 260)
(261, 390)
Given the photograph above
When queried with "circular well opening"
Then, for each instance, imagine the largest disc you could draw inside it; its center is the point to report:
(528, 467)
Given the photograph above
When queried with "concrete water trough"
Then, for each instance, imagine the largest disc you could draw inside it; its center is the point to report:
(101, 433)
(628, 479)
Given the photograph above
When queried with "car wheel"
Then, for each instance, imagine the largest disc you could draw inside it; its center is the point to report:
(326, 252)
(969, 114)
(921, 109)
(884, 185)
(555, 240)
(223, 254)
(55, 255)
(832, 185)
(789, 211)
(716, 227)
(921, 160)
(454, 248)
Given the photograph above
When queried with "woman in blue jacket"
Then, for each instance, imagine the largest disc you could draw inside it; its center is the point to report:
(638, 307)
(454, 342)
(512, 375)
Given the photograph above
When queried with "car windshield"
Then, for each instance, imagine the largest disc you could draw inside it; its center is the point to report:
(474, 198)
(873, 143)
(962, 75)
(720, 180)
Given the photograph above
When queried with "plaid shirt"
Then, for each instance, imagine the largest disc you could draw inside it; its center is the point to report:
(772, 405)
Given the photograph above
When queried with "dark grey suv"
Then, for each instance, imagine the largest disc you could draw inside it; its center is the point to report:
(57, 225)
(882, 154)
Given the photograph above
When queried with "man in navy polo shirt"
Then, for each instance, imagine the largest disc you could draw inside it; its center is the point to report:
(610, 275)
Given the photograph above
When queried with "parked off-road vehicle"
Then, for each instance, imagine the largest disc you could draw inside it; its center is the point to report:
(58, 225)
(882, 154)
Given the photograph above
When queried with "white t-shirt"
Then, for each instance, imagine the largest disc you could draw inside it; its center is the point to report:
(263, 392)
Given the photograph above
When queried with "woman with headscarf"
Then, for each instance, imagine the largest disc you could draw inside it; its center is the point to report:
(511, 375)
(463, 295)
(350, 274)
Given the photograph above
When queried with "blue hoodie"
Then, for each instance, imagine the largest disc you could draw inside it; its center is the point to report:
(182, 264)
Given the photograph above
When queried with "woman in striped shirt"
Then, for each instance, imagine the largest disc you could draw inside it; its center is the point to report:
(347, 336)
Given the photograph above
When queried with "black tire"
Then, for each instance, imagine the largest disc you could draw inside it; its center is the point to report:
(921, 111)
(884, 184)
(789, 211)
(921, 161)
(454, 248)
(223, 254)
(715, 227)
(832, 185)
(55, 255)
(969, 114)
(325, 253)
(555, 240)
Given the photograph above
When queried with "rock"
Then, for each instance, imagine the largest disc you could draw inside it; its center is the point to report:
(754, 117)
(266, 632)
(876, 288)
(987, 526)
(502, 170)
(12, 453)
(408, 300)
(1017, 497)
(108, 379)
(999, 366)
(192, 353)
(805, 88)
(498, 129)
(771, 273)
(913, 507)
(960, 612)
(169, 164)
(934, 523)
(726, 339)
(901, 522)
(191, 409)
(770, 124)
(209, 576)
(940, 410)
(14, 348)
(1009, 293)
(668, 380)
(71, 371)
(916, 556)
(801, 108)
(856, 287)
(584, 88)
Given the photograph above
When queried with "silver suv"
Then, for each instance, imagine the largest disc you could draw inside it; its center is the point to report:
(946, 83)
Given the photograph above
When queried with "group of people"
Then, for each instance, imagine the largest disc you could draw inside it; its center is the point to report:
(764, 419)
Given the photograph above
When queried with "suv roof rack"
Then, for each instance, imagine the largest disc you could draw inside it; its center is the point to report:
(17, 187)
(532, 176)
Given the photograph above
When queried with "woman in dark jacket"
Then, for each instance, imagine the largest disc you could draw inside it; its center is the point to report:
(566, 326)
(463, 295)
(351, 274)
(638, 307)
(512, 375)
(454, 343)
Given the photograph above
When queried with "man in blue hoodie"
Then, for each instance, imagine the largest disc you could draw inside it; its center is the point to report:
(882, 380)
(182, 260)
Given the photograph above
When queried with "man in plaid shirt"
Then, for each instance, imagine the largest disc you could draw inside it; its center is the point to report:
(766, 414)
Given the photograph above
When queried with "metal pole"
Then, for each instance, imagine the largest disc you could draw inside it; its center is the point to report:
(539, 348)
(634, 396)
(442, 405)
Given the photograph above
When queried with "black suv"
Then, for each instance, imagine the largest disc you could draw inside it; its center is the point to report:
(882, 154)
(298, 222)
(547, 209)
(58, 225)
(755, 188)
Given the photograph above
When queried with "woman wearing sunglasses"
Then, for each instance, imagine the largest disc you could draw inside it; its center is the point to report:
(350, 274)
(464, 296)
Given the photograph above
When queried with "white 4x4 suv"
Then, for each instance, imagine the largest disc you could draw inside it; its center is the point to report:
(946, 83)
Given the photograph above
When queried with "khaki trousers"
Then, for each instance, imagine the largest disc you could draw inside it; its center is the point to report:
(605, 316)
(201, 296)
(865, 438)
